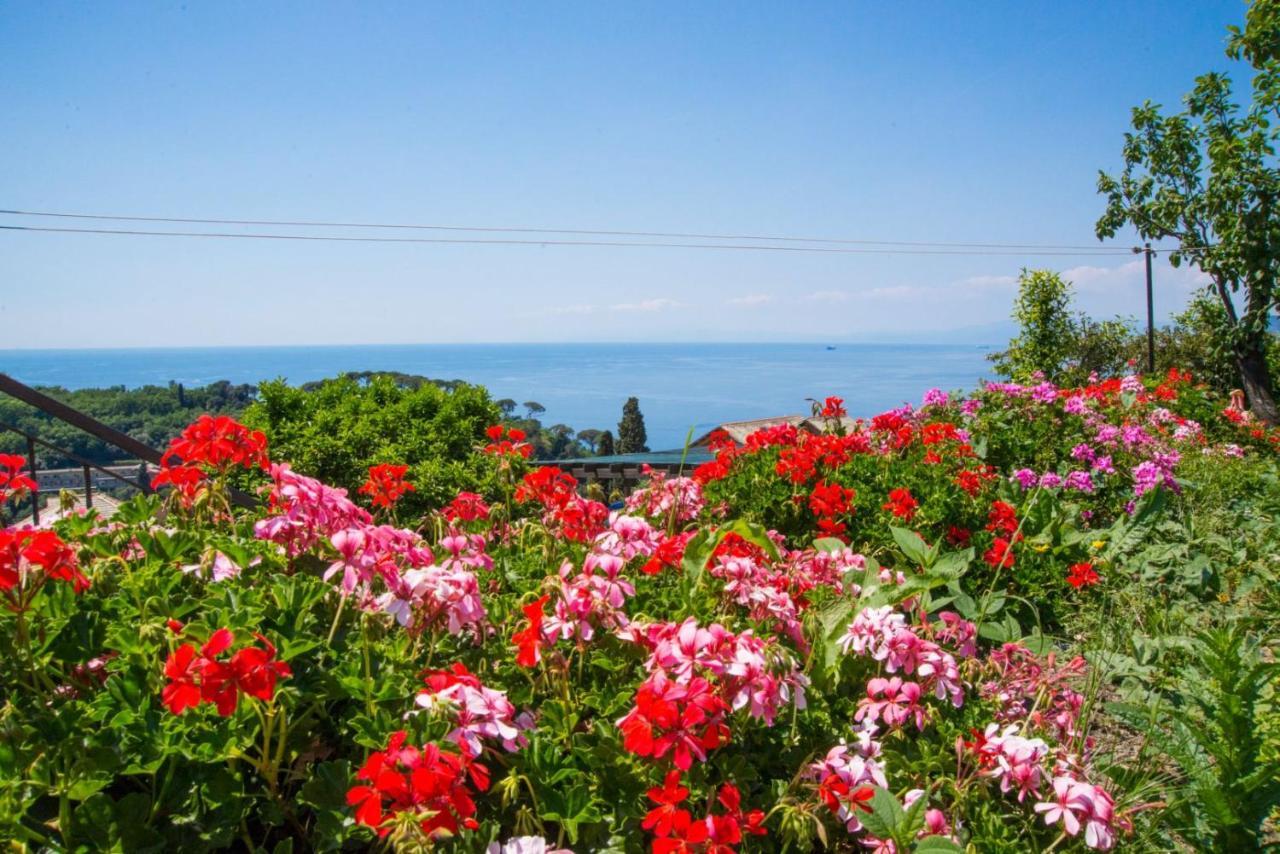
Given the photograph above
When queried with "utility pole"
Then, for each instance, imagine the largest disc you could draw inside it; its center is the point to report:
(1146, 250)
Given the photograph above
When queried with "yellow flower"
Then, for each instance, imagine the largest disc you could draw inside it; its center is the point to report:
(1097, 544)
(1040, 548)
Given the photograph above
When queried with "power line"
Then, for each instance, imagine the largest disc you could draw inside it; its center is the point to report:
(748, 247)
(523, 230)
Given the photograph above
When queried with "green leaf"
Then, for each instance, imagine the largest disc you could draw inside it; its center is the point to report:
(885, 817)
(913, 547)
(751, 532)
(952, 565)
(570, 808)
(913, 817)
(829, 544)
(937, 845)
(95, 819)
(696, 555)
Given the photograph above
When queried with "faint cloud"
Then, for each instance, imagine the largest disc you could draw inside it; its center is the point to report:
(658, 304)
(894, 292)
(828, 296)
(1133, 274)
(751, 300)
(572, 309)
(982, 283)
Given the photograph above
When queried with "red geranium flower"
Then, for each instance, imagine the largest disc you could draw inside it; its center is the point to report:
(256, 669)
(507, 442)
(667, 817)
(181, 669)
(466, 507)
(833, 407)
(529, 640)
(902, 504)
(1003, 518)
(959, 537)
(187, 482)
(1082, 575)
(201, 678)
(830, 499)
(29, 558)
(386, 484)
(14, 481)
(685, 720)
(219, 442)
(1000, 555)
(429, 782)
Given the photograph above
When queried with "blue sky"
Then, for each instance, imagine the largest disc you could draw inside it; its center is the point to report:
(924, 121)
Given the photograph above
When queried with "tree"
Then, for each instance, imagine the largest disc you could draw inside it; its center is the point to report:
(533, 408)
(631, 433)
(507, 405)
(1208, 177)
(1047, 331)
(589, 437)
(604, 445)
(1106, 348)
(336, 430)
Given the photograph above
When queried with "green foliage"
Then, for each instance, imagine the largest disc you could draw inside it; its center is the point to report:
(1212, 726)
(151, 414)
(1208, 177)
(1200, 341)
(604, 445)
(1047, 330)
(340, 427)
(1071, 346)
(631, 432)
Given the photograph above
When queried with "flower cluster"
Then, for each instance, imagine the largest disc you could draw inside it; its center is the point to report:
(28, 558)
(218, 443)
(386, 485)
(674, 500)
(507, 442)
(477, 712)
(845, 778)
(746, 670)
(578, 519)
(828, 502)
(430, 785)
(883, 635)
(678, 832)
(305, 511)
(682, 719)
(14, 481)
(198, 676)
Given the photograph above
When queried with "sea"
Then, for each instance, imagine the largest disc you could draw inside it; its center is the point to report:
(681, 387)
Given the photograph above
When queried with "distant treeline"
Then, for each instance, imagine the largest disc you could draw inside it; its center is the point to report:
(154, 414)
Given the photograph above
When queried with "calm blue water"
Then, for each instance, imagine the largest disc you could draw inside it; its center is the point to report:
(582, 385)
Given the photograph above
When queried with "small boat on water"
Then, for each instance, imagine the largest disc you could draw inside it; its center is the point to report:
(830, 347)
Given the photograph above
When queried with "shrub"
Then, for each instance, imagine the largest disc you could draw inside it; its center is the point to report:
(339, 428)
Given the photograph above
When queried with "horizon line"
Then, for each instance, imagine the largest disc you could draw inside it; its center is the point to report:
(813, 342)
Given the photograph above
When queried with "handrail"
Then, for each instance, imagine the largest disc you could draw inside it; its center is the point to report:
(76, 418)
(95, 428)
(139, 484)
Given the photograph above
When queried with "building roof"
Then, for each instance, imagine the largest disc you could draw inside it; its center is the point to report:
(740, 430)
(694, 457)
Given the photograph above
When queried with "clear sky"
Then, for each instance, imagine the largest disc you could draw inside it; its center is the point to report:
(930, 121)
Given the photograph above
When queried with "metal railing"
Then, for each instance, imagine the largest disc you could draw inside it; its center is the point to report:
(108, 434)
(141, 483)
